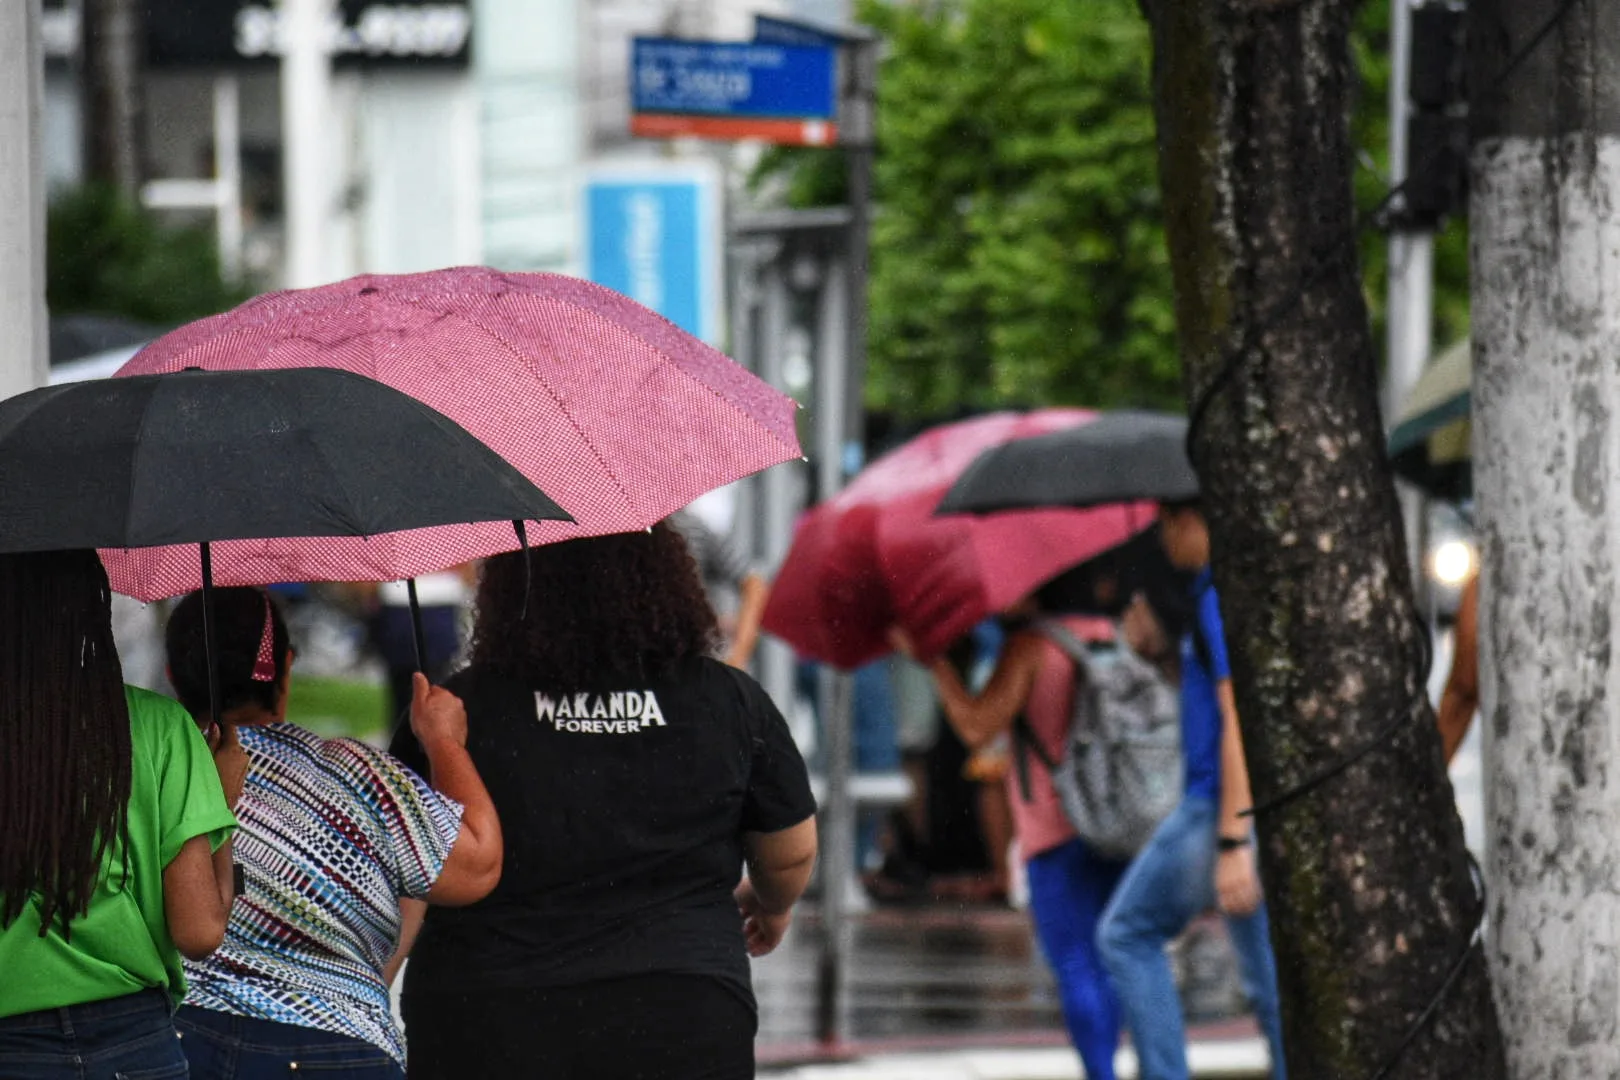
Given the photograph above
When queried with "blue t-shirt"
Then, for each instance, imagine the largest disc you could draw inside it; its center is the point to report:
(1200, 708)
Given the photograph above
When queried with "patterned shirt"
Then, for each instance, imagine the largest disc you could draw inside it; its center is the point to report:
(332, 833)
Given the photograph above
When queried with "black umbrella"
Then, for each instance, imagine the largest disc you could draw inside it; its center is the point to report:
(197, 456)
(1122, 456)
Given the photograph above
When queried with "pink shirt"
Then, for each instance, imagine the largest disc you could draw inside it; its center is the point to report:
(1040, 823)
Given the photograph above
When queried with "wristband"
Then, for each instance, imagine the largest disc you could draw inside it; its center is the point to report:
(1231, 843)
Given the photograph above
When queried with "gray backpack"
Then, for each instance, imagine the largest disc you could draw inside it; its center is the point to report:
(1122, 768)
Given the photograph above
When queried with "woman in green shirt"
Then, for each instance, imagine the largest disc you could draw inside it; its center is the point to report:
(114, 837)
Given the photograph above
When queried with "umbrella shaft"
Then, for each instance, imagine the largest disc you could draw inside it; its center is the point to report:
(208, 630)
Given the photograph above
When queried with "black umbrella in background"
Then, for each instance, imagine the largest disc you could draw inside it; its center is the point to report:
(1123, 456)
(195, 457)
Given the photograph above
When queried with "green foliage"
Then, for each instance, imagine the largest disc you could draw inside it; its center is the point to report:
(106, 255)
(1018, 252)
(1017, 255)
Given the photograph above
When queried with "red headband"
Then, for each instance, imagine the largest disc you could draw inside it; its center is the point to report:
(264, 665)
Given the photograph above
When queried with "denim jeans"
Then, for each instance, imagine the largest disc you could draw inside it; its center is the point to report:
(122, 1038)
(1170, 883)
(222, 1046)
(1069, 888)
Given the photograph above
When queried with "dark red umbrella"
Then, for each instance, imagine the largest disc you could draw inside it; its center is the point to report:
(617, 413)
(875, 556)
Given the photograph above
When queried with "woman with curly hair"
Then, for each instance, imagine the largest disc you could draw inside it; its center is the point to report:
(635, 776)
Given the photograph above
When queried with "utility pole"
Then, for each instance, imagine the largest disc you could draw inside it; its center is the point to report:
(112, 71)
(22, 200)
(841, 429)
(1409, 304)
(1544, 228)
(308, 194)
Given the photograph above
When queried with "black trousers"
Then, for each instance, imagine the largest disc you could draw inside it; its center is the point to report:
(651, 1027)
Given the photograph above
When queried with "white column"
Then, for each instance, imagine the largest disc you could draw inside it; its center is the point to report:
(309, 191)
(23, 356)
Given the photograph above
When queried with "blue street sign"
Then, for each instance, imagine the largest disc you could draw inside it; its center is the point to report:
(770, 30)
(729, 78)
(653, 233)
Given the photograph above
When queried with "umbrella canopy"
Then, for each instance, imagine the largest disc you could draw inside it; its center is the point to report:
(1120, 457)
(1429, 440)
(620, 415)
(874, 556)
(198, 456)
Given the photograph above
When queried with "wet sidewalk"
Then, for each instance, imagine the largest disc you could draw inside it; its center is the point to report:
(956, 991)
(1223, 1058)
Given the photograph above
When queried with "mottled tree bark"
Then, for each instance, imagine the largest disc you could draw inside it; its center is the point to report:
(1546, 331)
(1372, 903)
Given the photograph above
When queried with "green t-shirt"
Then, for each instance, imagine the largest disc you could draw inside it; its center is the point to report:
(122, 944)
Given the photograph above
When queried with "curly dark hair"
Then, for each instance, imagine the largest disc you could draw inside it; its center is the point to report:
(240, 614)
(600, 610)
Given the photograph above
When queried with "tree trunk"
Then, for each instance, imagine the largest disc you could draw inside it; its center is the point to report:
(1546, 285)
(1371, 900)
(111, 78)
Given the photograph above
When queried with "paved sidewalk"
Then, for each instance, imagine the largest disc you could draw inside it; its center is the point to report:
(1227, 1059)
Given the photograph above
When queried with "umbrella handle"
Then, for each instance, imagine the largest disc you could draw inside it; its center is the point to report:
(208, 630)
(418, 638)
(523, 539)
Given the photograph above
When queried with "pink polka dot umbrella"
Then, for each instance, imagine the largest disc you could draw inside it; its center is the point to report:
(619, 415)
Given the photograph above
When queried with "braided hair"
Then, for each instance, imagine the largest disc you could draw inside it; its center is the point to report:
(65, 755)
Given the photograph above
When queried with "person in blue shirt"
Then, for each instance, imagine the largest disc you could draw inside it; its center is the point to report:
(1202, 855)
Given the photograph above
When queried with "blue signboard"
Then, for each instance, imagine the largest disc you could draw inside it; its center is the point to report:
(770, 30)
(653, 234)
(729, 78)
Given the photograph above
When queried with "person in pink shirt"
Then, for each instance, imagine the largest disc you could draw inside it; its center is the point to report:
(1069, 885)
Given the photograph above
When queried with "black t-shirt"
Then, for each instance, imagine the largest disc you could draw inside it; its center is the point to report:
(623, 809)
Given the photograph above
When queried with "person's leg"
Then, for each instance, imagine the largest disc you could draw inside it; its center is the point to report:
(1251, 940)
(209, 1040)
(1068, 890)
(663, 1027)
(222, 1046)
(97, 1041)
(450, 1036)
(1167, 885)
(101, 1040)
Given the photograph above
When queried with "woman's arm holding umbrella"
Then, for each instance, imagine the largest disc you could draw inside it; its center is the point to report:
(473, 869)
(978, 718)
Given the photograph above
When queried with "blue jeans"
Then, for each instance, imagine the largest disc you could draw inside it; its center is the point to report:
(1170, 883)
(1069, 888)
(222, 1046)
(122, 1038)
